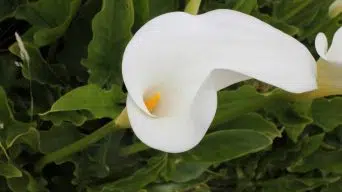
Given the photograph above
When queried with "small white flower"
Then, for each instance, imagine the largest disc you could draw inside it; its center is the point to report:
(175, 64)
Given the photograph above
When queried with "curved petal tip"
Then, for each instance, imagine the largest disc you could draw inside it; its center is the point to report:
(321, 45)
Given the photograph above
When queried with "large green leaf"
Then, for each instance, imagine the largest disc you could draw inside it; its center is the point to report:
(138, 180)
(111, 32)
(327, 113)
(49, 18)
(75, 43)
(226, 145)
(245, 99)
(100, 103)
(255, 122)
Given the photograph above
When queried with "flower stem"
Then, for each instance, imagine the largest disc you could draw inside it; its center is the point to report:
(134, 148)
(192, 6)
(77, 146)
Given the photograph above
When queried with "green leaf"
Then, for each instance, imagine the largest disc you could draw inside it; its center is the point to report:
(289, 183)
(141, 13)
(99, 160)
(76, 43)
(57, 137)
(278, 158)
(38, 69)
(8, 7)
(245, 6)
(138, 180)
(226, 145)
(309, 146)
(327, 113)
(22, 133)
(9, 170)
(295, 116)
(158, 7)
(50, 18)
(284, 10)
(312, 144)
(96, 161)
(333, 187)
(246, 98)
(75, 117)
(111, 33)
(8, 71)
(14, 131)
(281, 25)
(26, 183)
(99, 102)
(180, 170)
(325, 160)
(255, 122)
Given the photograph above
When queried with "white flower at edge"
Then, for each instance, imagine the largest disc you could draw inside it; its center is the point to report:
(175, 64)
(334, 53)
(335, 8)
(329, 66)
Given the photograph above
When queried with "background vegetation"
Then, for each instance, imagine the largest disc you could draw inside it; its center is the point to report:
(72, 86)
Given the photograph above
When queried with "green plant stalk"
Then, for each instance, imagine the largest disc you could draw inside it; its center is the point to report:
(77, 146)
(192, 6)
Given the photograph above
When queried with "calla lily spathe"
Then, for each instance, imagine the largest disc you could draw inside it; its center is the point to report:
(181, 61)
(329, 66)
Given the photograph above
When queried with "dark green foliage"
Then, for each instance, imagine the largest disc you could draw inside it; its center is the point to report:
(73, 86)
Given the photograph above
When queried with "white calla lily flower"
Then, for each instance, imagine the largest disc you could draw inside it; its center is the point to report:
(334, 53)
(175, 64)
(329, 66)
